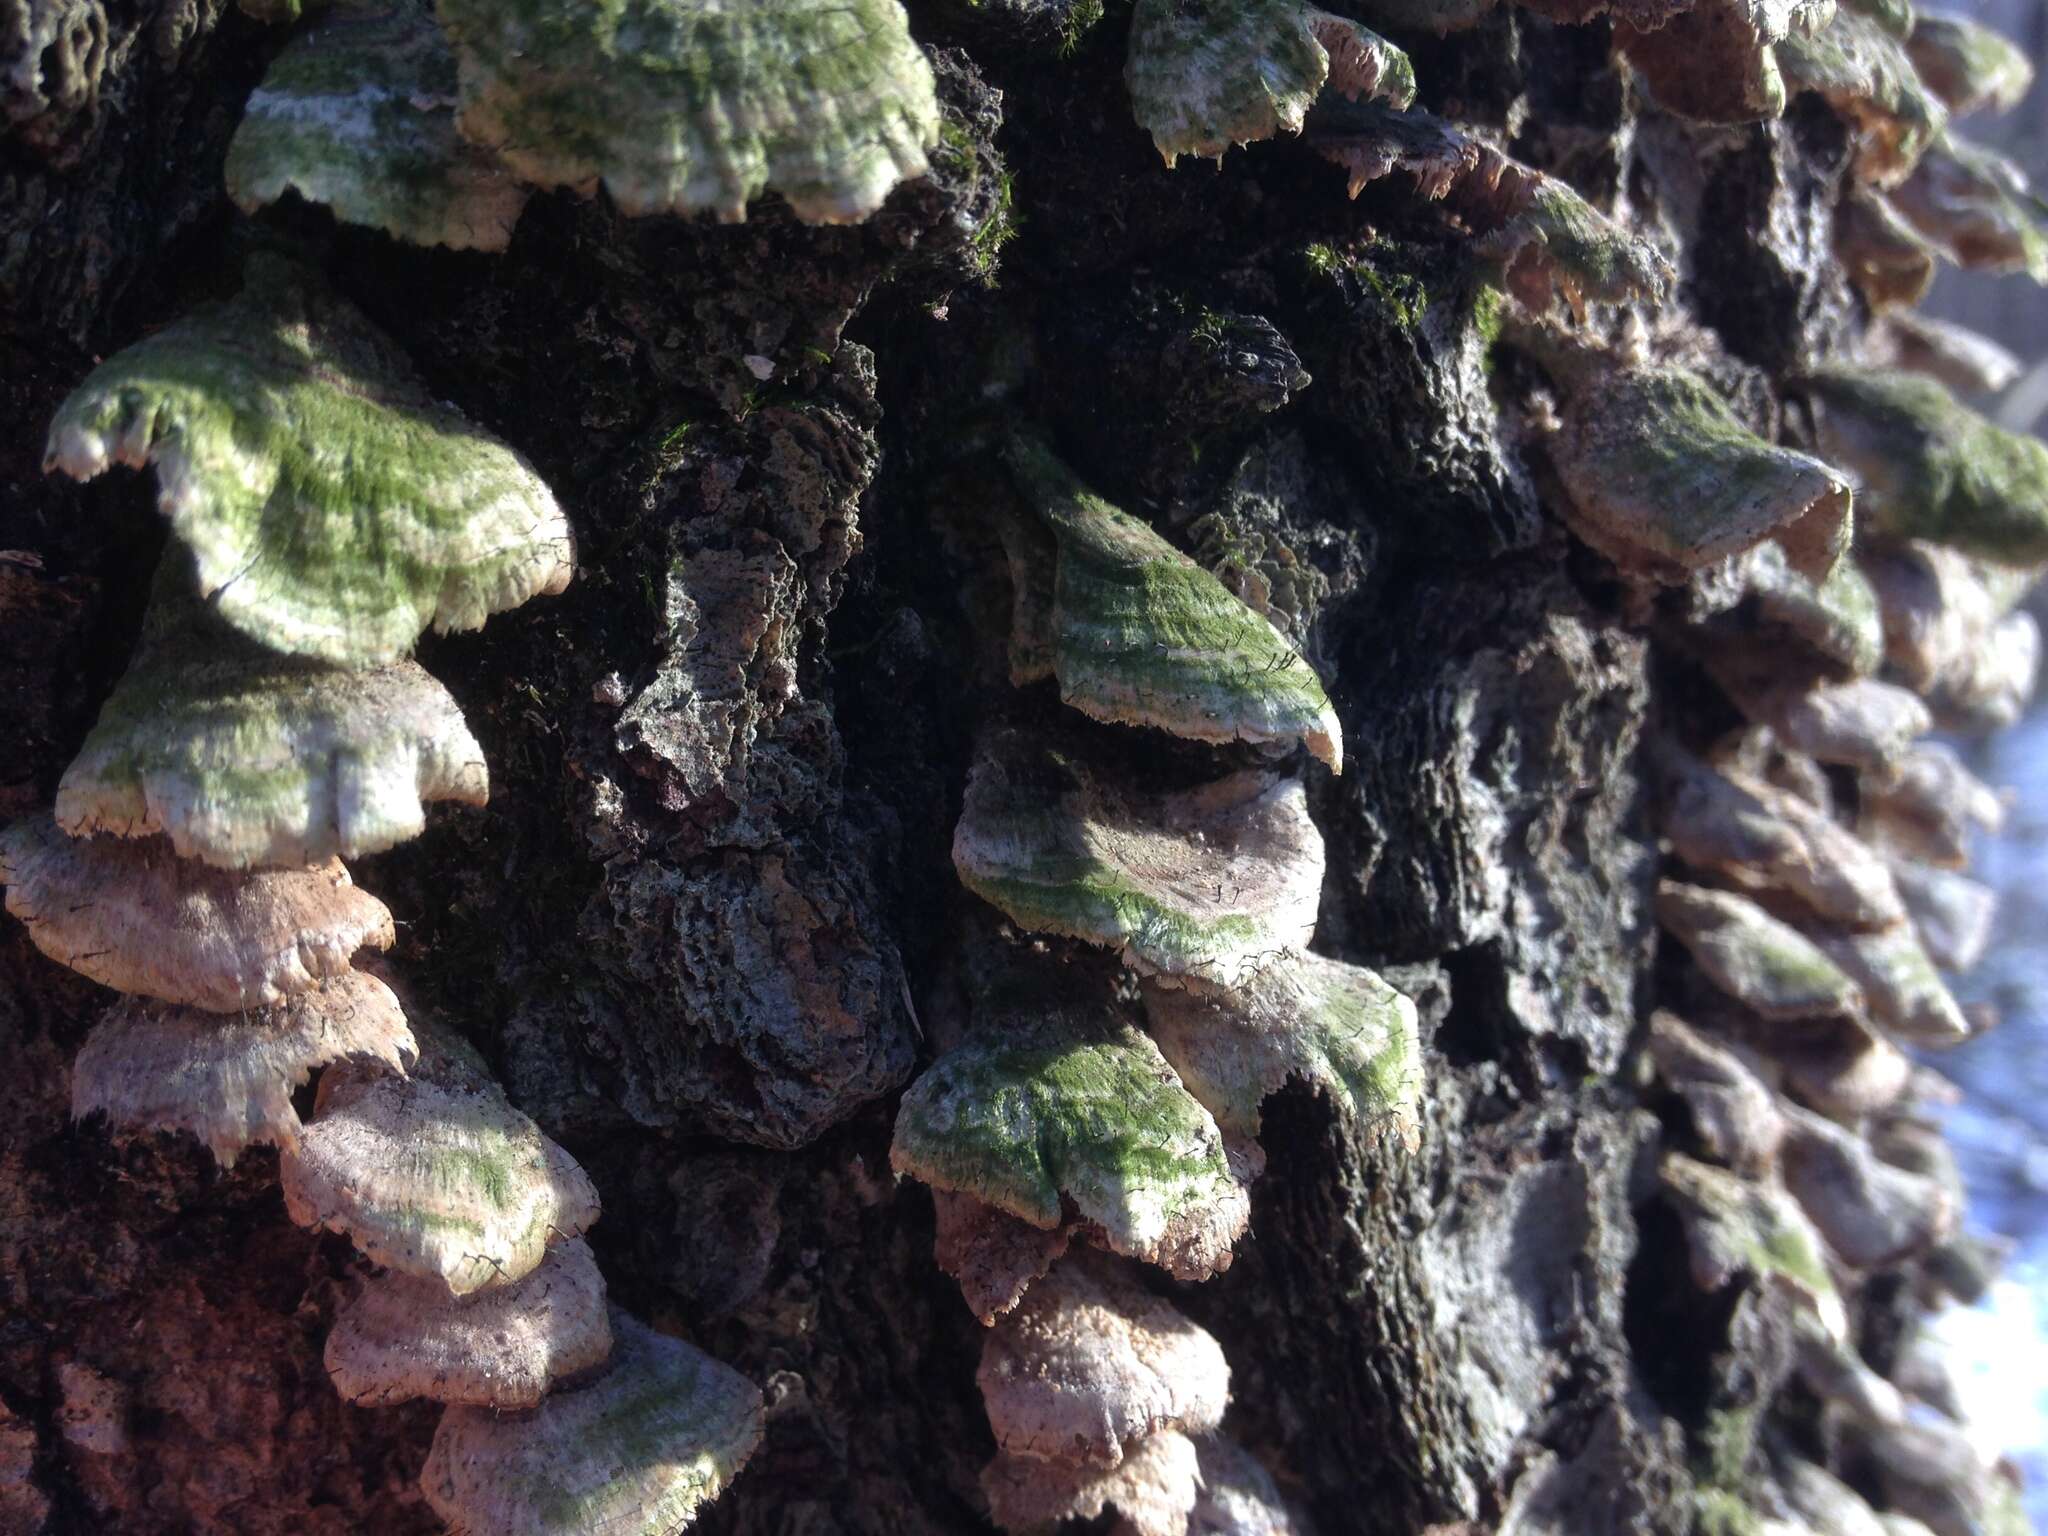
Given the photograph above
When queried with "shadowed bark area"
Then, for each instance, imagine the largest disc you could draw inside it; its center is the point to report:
(708, 926)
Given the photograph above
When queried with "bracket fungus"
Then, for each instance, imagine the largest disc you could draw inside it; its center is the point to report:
(1967, 64)
(1976, 205)
(358, 113)
(677, 106)
(1039, 1111)
(1930, 807)
(438, 1182)
(1862, 723)
(639, 1452)
(1210, 882)
(1716, 61)
(1736, 1227)
(336, 509)
(994, 1256)
(403, 1337)
(1664, 480)
(1869, 1212)
(1952, 913)
(1337, 1029)
(1863, 73)
(1207, 74)
(244, 757)
(131, 915)
(228, 1078)
(1890, 262)
(1836, 618)
(1154, 1489)
(1929, 468)
(1900, 985)
(1766, 965)
(1090, 1363)
(1733, 1113)
(1142, 635)
(1952, 355)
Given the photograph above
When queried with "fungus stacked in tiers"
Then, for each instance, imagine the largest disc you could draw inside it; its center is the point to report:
(326, 511)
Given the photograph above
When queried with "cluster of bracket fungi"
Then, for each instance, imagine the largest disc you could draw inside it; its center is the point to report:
(326, 510)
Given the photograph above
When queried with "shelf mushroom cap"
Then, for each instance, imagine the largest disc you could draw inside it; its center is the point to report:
(1717, 61)
(131, 915)
(639, 1452)
(1090, 1362)
(682, 105)
(1142, 635)
(1337, 1028)
(334, 507)
(243, 757)
(1736, 1227)
(228, 1078)
(1967, 64)
(995, 1257)
(1733, 1113)
(1766, 965)
(404, 1337)
(1211, 882)
(435, 1182)
(1952, 913)
(1862, 71)
(1904, 992)
(1975, 204)
(1209, 74)
(1035, 1111)
(1664, 480)
(1871, 1213)
(1153, 1489)
(358, 113)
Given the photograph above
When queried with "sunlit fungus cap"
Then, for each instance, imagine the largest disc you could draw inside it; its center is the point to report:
(1153, 1489)
(1771, 968)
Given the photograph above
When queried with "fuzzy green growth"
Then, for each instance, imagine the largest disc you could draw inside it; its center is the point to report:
(1144, 635)
(1864, 73)
(358, 113)
(334, 508)
(1042, 1109)
(1931, 468)
(682, 105)
(1967, 64)
(1207, 74)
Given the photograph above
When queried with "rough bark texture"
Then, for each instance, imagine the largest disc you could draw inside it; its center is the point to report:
(698, 924)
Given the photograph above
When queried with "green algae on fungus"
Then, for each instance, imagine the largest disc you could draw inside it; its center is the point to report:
(228, 1078)
(1863, 73)
(244, 757)
(1976, 205)
(1904, 992)
(1549, 238)
(1837, 618)
(358, 113)
(1211, 882)
(682, 105)
(1929, 468)
(1092, 1362)
(1967, 64)
(1738, 1228)
(131, 915)
(1140, 634)
(1337, 1029)
(1207, 74)
(443, 1183)
(1717, 62)
(1664, 480)
(334, 507)
(639, 1452)
(1038, 1109)
(1766, 965)
(403, 1337)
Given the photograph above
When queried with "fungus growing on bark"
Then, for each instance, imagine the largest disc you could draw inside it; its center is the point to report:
(1928, 468)
(1142, 635)
(358, 113)
(1862, 72)
(682, 105)
(445, 1183)
(1207, 74)
(1869, 1212)
(1239, 1496)
(336, 509)
(1888, 260)
(1716, 62)
(1900, 985)
(1211, 882)
(244, 757)
(1950, 354)
(1549, 238)
(1852, 1072)
(404, 1337)
(133, 916)
(1766, 965)
(1967, 64)
(1975, 204)
(1090, 1362)
(1664, 480)
(1369, 141)
(1934, 1472)
(1863, 723)
(1835, 1373)
(1929, 808)
(639, 1452)
(1153, 1489)
(1337, 1029)
(1043, 1107)
(228, 1078)
(1837, 618)
(1733, 1113)
(1763, 838)
(1952, 913)
(1950, 632)
(1735, 1227)
(995, 1257)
